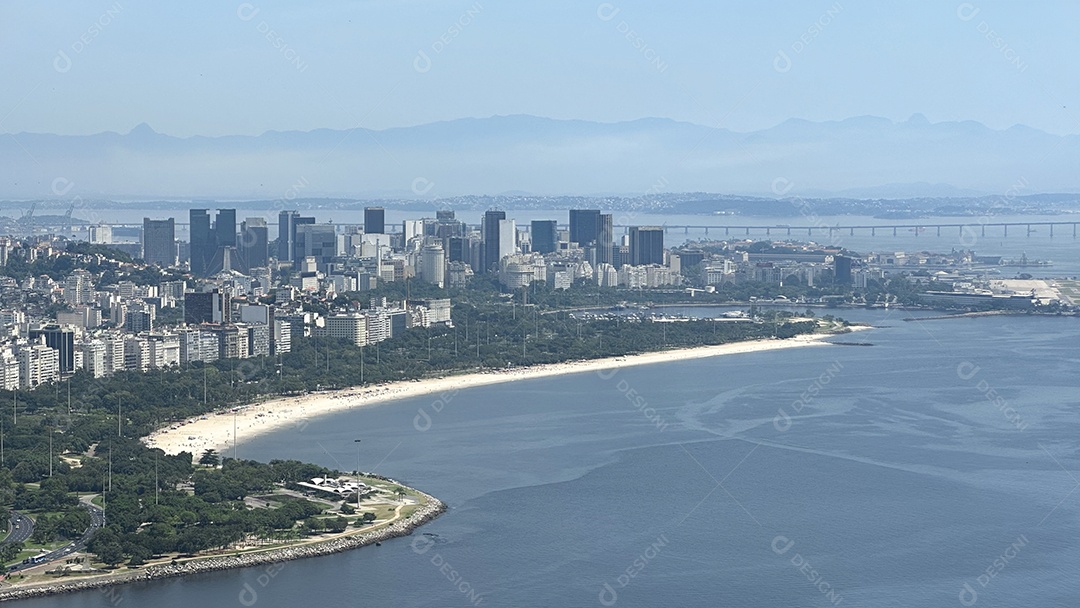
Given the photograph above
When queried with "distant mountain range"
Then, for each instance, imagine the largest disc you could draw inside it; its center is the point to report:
(861, 157)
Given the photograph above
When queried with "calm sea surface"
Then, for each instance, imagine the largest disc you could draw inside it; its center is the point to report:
(945, 455)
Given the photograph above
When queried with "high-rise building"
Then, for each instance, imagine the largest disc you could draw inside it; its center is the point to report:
(646, 245)
(544, 235)
(490, 229)
(254, 242)
(842, 269)
(433, 265)
(225, 228)
(374, 220)
(317, 241)
(286, 232)
(351, 327)
(584, 226)
(159, 242)
(202, 241)
(79, 287)
(100, 234)
(604, 237)
(206, 307)
(38, 364)
(507, 238)
(62, 339)
(298, 222)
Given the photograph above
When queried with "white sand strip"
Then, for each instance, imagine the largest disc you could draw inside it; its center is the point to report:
(214, 431)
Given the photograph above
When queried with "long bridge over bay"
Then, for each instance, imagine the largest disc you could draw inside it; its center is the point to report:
(974, 228)
(1063, 228)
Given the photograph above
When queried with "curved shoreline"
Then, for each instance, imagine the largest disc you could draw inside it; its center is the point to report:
(214, 431)
(431, 509)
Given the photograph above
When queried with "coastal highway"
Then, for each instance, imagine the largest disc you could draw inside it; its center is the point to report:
(22, 527)
(97, 520)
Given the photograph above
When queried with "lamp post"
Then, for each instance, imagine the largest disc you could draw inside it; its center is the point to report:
(357, 442)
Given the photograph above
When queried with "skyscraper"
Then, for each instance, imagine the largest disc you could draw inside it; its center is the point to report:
(544, 235)
(286, 233)
(604, 235)
(374, 220)
(489, 230)
(254, 242)
(225, 228)
(202, 241)
(646, 245)
(159, 242)
(297, 245)
(584, 226)
(318, 241)
(507, 238)
(842, 269)
(63, 340)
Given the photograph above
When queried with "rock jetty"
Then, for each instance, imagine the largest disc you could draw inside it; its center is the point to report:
(429, 511)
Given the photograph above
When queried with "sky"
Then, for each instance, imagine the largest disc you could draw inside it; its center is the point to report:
(231, 68)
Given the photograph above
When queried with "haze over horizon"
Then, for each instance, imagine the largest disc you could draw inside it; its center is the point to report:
(696, 95)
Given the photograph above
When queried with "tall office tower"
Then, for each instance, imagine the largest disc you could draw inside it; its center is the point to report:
(604, 236)
(318, 241)
(544, 235)
(374, 220)
(646, 245)
(459, 249)
(254, 242)
(489, 230)
(63, 340)
(584, 226)
(159, 242)
(286, 233)
(207, 307)
(225, 228)
(433, 265)
(842, 269)
(202, 241)
(297, 244)
(507, 238)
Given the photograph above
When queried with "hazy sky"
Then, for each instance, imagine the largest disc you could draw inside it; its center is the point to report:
(215, 68)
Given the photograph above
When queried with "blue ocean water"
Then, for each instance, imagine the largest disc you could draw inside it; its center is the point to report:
(945, 455)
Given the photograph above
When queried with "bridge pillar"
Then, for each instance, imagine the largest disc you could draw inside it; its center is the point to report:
(686, 230)
(852, 232)
(789, 232)
(1029, 230)
(939, 230)
(747, 230)
(1074, 231)
(1006, 230)
(984, 230)
(768, 231)
(1051, 231)
(809, 232)
(727, 230)
(873, 232)
(706, 230)
(894, 231)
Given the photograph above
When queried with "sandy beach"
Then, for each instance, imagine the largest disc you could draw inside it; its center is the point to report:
(215, 431)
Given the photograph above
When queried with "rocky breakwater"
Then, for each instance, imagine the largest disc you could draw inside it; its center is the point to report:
(432, 508)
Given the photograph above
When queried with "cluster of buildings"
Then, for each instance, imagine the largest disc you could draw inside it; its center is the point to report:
(89, 321)
(442, 250)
